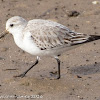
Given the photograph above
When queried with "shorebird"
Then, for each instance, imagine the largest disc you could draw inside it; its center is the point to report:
(44, 38)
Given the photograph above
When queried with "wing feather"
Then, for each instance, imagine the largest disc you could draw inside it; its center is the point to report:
(50, 35)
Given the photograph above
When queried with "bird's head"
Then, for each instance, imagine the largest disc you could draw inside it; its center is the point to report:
(15, 24)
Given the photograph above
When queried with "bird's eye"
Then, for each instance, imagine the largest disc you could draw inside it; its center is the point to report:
(11, 25)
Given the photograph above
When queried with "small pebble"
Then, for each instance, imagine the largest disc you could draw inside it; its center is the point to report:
(88, 84)
(4, 49)
(87, 60)
(71, 93)
(79, 76)
(94, 43)
(2, 58)
(95, 27)
(89, 77)
(54, 72)
(88, 22)
(76, 27)
(95, 2)
(72, 13)
(56, 8)
(31, 90)
(96, 63)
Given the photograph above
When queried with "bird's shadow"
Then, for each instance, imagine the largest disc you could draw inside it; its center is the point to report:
(86, 70)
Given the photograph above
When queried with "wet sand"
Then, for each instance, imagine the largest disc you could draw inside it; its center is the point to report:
(80, 67)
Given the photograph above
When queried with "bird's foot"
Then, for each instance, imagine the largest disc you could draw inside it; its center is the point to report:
(54, 78)
(21, 75)
(54, 75)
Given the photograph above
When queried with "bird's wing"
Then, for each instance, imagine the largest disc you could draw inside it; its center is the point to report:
(53, 35)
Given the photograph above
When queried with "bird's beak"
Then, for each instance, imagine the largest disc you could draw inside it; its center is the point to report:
(3, 34)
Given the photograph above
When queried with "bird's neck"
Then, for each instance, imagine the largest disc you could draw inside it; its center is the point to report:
(18, 38)
(18, 34)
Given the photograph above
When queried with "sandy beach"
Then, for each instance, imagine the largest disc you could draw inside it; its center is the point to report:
(80, 67)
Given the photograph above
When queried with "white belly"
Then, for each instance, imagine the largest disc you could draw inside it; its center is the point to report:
(29, 46)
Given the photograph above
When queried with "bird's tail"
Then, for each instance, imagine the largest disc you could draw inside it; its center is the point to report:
(93, 38)
(85, 39)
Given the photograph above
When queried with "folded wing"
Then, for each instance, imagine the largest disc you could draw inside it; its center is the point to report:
(50, 35)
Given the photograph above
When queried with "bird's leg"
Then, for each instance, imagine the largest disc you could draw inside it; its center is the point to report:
(24, 73)
(58, 61)
(58, 75)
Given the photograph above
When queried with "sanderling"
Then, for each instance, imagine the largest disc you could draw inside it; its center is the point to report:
(44, 38)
